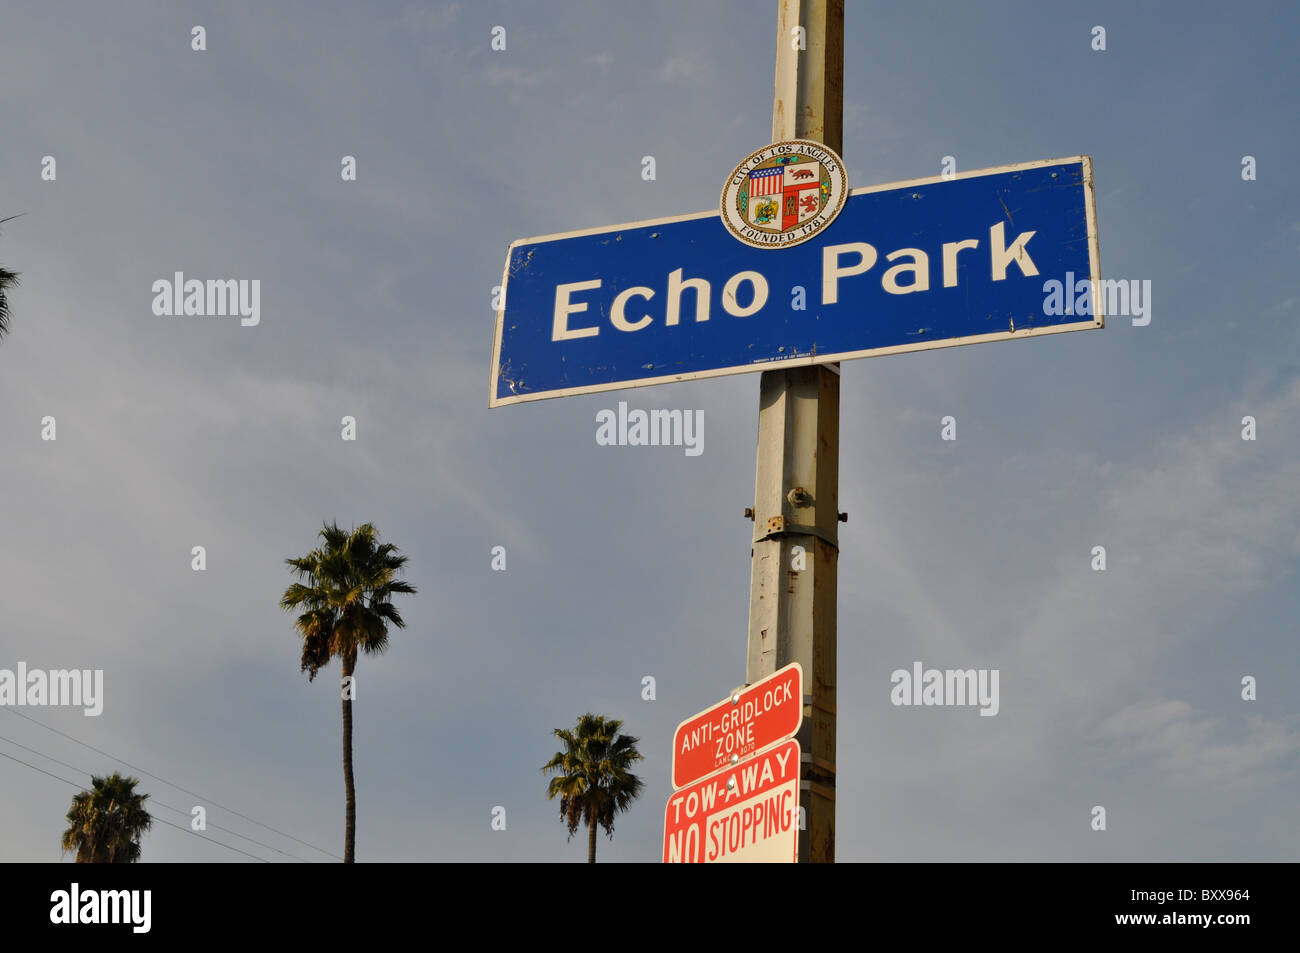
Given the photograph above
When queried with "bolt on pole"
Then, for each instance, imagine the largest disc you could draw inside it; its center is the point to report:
(796, 485)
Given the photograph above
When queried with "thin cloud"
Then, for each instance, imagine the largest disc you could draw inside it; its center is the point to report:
(681, 69)
(1169, 735)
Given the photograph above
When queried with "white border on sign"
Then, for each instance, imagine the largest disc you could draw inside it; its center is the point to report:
(1098, 319)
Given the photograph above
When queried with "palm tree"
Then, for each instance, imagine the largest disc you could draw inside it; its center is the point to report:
(592, 778)
(105, 824)
(8, 279)
(344, 592)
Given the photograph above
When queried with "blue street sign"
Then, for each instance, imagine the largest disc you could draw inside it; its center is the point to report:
(905, 267)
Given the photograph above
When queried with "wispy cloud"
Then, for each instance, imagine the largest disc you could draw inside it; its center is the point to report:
(1169, 735)
(682, 69)
(517, 76)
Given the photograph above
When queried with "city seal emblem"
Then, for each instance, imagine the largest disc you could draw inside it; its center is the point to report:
(784, 194)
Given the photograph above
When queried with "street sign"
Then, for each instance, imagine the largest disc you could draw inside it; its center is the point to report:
(766, 712)
(748, 813)
(908, 266)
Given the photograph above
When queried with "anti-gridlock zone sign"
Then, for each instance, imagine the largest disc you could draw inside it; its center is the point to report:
(754, 718)
(747, 813)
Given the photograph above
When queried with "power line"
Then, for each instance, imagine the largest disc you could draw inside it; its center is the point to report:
(133, 767)
(154, 801)
(262, 860)
(218, 827)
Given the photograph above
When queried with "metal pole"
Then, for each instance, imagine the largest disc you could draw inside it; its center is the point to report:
(796, 486)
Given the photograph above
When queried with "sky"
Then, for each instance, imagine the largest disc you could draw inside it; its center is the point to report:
(1120, 689)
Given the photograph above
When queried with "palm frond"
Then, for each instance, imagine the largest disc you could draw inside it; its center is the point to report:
(8, 279)
(345, 584)
(106, 823)
(590, 775)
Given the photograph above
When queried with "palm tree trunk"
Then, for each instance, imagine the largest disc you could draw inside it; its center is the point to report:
(591, 840)
(350, 830)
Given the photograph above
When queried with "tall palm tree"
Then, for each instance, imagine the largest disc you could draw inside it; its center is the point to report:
(8, 279)
(592, 776)
(105, 824)
(344, 592)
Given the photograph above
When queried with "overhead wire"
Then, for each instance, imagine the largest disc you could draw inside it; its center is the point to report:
(210, 840)
(155, 802)
(178, 787)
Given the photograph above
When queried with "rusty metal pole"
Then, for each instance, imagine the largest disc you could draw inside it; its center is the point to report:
(796, 486)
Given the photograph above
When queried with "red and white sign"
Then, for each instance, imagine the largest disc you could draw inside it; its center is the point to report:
(748, 813)
(768, 711)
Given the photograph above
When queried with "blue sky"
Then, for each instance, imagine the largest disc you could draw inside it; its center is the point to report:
(1119, 688)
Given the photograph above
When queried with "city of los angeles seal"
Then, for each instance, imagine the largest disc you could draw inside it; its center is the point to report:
(784, 193)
